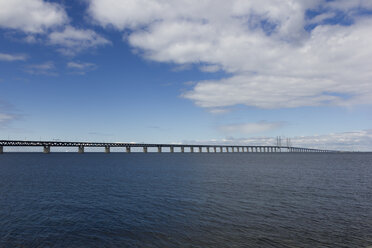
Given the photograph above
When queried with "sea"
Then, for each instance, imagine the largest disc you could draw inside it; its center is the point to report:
(186, 200)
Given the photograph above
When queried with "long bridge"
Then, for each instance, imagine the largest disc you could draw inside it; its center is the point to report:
(127, 147)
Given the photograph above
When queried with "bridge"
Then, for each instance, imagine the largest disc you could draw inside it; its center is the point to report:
(127, 147)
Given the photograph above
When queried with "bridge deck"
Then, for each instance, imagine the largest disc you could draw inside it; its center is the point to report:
(81, 145)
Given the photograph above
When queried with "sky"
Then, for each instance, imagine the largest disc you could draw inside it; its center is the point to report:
(188, 71)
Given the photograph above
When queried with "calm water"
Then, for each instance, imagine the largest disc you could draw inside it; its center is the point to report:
(185, 200)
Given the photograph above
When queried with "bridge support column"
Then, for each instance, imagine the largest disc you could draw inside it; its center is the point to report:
(145, 149)
(221, 149)
(200, 149)
(1, 149)
(127, 149)
(46, 149)
(182, 149)
(208, 149)
(159, 148)
(215, 149)
(107, 149)
(191, 149)
(81, 149)
(171, 149)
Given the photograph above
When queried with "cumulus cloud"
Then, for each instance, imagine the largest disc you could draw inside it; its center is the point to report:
(34, 16)
(250, 128)
(273, 58)
(72, 40)
(12, 57)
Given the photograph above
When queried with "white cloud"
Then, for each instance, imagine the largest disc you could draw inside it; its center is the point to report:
(250, 128)
(218, 110)
(81, 67)
(12, 57)
(5, 117)
(348, 5)
(72, 40)
(210, 68)
(46, 68)
(273, 60)
(7, 114)
(34, 16)
(346, 141)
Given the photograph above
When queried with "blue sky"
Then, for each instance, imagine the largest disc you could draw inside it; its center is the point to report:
(193, 71)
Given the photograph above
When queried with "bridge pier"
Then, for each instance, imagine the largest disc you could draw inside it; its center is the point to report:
(127, 149)
(215, 149)
(81, 149)
(200, 149)
(191, 149)
(171, 149)
(46, 149)
(145, 149)
(182, 149)
(107, 149)
(159, 148)
(1, 149)
(208, 149)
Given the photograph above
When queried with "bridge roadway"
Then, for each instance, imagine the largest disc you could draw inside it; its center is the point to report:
(128, 147)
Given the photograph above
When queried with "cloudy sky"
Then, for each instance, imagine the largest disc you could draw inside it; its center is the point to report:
(239, 71)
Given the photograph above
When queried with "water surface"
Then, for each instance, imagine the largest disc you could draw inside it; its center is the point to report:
(185, 200)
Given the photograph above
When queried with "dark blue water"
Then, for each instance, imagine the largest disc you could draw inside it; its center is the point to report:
(185, 200)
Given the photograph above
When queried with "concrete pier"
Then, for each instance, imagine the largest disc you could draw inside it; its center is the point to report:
(159, 148)
(207, 148)
(1, 149)
(145, 149)
(81, 149)
(127, 149)
(215, 149)
(107, 149)
(200, 149)
(182, 149)
(191, 149)
(46, 149)
(171, 149)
